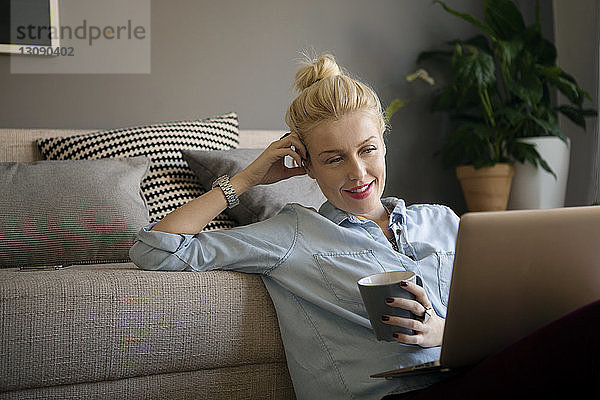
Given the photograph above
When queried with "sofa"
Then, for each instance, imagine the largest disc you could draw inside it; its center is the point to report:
(111, 330)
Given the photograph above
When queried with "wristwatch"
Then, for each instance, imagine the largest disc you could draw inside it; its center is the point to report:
(228, 190)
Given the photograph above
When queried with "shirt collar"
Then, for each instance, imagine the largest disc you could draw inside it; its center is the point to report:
(398, 209)
(337, 216)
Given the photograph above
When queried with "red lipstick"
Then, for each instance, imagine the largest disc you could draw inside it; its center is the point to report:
(360, 194)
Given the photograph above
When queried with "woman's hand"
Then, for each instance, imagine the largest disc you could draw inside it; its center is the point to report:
(429, 328)
(269, 167)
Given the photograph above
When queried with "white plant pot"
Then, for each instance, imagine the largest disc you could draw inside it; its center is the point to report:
(535, 188)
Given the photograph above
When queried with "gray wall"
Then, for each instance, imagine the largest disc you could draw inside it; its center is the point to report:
(212, 57)
(576, 37)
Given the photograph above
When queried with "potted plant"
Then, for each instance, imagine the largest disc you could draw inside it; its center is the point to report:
(499, 95)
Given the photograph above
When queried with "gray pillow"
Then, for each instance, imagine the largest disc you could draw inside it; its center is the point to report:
(70, 212)
(169, 183)
(260, 202)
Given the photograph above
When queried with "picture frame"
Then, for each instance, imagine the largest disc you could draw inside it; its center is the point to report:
(26, 26)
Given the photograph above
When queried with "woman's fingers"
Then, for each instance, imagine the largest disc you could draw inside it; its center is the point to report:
(270, 167)
(420, 329)
(417, 306)
(404, 322)
(428, 331)
(429, 334)
(293, 140)
(411, 305)
(408, 339)
(419, 326)
(418, 291)
(286, 151)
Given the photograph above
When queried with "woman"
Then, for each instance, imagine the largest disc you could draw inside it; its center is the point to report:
(310, 261)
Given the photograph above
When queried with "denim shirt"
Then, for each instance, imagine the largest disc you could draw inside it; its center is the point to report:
(310, 263)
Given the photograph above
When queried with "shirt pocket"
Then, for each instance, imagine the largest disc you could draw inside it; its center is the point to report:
(446, 263)
(342, 271)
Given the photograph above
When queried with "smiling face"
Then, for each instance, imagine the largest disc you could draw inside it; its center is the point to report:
(347, 158)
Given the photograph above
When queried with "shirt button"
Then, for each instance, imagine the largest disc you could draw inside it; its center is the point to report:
(398, 231)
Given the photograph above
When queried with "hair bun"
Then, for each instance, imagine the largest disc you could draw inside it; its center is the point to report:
(313, 71)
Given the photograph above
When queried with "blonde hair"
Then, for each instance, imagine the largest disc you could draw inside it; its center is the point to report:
(326, 95)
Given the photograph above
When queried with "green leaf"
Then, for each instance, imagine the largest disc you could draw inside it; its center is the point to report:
(550, 128)
(563, 82)
(453, 98)
(425, 55)
(462, 147)
(513, 115)
(568, 86)
(481, 163)
(445, 100)
(524, 81)
(582, 93)
(393, 108)
(504, 18)
(480, 130)
(585, 94)
(522, 152)
(469, 18)
(529, 89)
(550, 72)
(509, 50)
(475, 69)
(543, 51)
(526, 152)
(545, 165)
(574, 114)
(479, 41)
(467, 118)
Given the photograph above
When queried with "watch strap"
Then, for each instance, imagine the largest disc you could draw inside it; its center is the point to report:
(224, 184)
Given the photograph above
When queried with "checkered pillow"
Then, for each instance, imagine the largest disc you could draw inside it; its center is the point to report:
(170, 183)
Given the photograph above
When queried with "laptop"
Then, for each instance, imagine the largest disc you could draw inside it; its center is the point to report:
(514, 272)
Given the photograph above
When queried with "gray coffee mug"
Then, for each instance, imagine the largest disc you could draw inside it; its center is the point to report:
(374, 289)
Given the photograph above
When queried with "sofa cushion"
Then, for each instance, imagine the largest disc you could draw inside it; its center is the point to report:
(170, 183)
(65, 212)
(259, 202)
